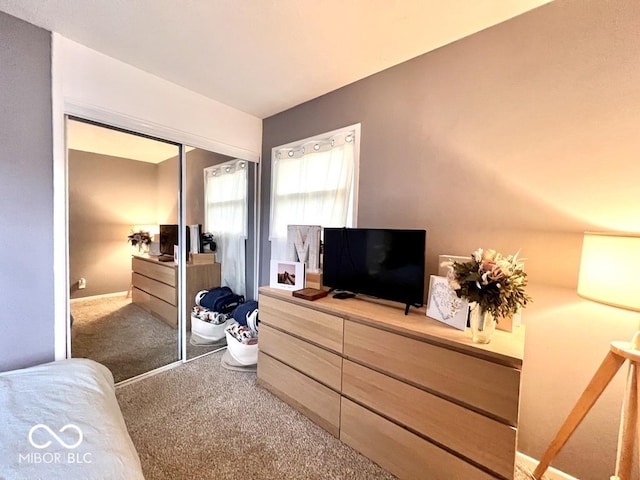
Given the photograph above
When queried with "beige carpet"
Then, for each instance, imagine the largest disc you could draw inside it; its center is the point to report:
(125, 338)
(122, 336)
(202, 422)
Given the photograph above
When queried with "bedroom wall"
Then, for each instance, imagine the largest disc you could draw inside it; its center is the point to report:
(104, 84)
(168, 174)
(26, 195)
(92, 85)
(107, 197)
(522, 136)
(197, 161)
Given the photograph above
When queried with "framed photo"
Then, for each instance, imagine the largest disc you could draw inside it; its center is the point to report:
(287, 275)
(444, 305)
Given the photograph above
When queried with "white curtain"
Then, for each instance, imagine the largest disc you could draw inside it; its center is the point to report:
(312, 184)
(226, 219)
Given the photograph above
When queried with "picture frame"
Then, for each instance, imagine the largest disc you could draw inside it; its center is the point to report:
(287, 275)
(444, 305)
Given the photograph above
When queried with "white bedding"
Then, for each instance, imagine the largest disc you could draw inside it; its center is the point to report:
(63, 404)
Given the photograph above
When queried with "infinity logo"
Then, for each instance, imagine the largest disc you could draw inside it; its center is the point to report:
(52, 433)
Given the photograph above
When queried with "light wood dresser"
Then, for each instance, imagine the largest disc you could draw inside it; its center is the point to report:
(412, 394)
(154, 286)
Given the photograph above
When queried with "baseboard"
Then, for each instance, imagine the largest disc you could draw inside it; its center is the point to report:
(104, 295)
(530, 465)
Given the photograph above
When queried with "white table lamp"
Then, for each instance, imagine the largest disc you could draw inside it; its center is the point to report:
(609, 274)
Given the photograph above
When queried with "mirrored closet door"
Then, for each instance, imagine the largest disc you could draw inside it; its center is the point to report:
(151, 225)
(122, 187)
(219, 210)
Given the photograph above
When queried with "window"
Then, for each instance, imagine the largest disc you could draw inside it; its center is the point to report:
(313, 183)
(226, 219)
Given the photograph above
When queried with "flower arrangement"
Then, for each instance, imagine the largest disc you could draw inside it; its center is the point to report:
(139, 239)
(493, 282)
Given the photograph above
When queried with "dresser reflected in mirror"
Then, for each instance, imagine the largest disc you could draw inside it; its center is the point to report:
(131, 199)
(123, 305)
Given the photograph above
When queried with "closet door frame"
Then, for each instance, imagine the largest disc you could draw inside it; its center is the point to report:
(62, 332)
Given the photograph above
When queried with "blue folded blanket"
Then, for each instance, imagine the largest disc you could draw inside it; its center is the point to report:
(242, 311)
(219, 299)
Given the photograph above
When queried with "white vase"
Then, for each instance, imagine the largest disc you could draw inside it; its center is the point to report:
(483, 325)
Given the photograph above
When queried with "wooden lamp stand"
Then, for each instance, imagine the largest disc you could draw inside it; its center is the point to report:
(619, 352)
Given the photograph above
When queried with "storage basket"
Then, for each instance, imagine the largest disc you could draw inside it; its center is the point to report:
(241, 353)
(206, 330)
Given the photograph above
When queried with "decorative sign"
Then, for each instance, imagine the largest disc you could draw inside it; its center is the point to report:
(303, 245)
(444, 305)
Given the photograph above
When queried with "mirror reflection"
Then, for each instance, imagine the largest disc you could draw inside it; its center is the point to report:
(219, 200)
(125, 228)
(123, 301)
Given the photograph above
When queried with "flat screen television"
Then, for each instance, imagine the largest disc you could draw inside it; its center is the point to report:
(383, 263)
(168, 238)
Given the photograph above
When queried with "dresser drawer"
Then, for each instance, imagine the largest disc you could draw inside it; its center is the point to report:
(320, 364)
(319, 403)
(317, 327)
(159, 308)
(448, 424)
(469, 380)
(399, 451)
(162, 272)
(155, 288)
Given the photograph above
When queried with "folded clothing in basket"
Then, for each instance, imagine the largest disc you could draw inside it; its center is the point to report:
(242, 344)
(209, 316)
(242, 333)
(244, 311)
(219, 299)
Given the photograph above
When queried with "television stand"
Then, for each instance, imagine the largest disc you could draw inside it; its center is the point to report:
(165, 258)
(343, 295)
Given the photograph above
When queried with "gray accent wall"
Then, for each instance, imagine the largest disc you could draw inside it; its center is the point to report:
(521, 136)
(26, 195)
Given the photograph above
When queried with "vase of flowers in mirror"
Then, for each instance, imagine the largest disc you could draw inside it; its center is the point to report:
(140, 242)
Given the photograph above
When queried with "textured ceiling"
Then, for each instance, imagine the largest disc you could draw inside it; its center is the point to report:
(265, 56)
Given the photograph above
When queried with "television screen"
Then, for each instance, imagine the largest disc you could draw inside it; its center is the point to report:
(168, 238)
(383, 263)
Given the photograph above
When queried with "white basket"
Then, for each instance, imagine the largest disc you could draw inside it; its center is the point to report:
(206, 330)
(241, 353)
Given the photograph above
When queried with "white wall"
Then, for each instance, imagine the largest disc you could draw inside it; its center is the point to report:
(92, 85)
(96, 81)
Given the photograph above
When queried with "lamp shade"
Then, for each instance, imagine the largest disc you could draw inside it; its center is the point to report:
(610, 269)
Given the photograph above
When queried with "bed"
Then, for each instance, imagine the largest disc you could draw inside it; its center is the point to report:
(62, 420)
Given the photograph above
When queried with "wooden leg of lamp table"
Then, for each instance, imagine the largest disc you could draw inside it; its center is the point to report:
(607, 370)
(628, 426)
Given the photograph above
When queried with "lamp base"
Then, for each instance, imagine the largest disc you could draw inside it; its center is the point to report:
(619, 352)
